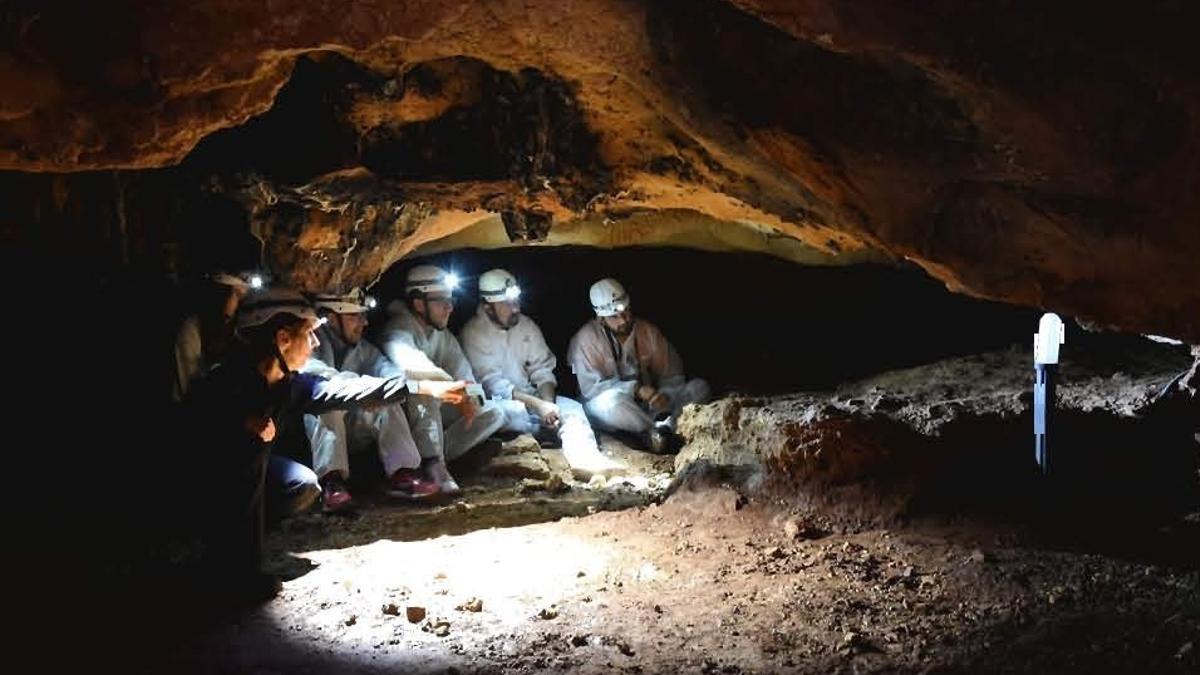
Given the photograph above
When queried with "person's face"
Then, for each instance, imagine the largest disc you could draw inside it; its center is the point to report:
(438, 308)
(297, 344)
(350, 326)
(232, 300)
(620, 323)
(506, 313)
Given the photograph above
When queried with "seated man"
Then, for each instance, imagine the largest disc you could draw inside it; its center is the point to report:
(630, 377)
(415, 338)
(343, 353)
(516, 367)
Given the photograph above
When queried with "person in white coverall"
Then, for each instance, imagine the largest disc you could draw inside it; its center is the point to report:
(415, 338)
(206, 336)
(516, 368)
(630, 377)
(343, 353)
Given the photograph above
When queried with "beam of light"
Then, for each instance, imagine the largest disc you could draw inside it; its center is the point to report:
(513, 571)
(512, 292)
(452, 281)
(256, 281)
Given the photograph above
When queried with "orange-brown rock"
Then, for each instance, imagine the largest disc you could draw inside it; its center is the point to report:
(1039, 153)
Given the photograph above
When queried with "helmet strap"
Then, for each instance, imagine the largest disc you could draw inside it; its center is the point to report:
(279, 357)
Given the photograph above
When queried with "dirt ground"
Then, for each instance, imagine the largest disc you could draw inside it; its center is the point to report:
(532, 571)
(704, 582)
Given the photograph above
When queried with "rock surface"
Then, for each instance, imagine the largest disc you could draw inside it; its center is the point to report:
(1039, 153)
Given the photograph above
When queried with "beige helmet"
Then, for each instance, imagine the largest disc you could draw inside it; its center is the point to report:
(430, 279)
(608, 297)
(260, 307)
(354, 302)
(498, 286)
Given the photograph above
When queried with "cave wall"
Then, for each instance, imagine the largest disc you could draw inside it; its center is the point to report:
(1043, 155)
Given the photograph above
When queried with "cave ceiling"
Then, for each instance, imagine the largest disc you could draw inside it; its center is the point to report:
(1038, 153)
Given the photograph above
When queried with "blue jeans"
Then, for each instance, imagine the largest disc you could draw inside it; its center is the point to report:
(291, 488)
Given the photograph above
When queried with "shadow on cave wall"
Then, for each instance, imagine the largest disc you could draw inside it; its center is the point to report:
(748, 322)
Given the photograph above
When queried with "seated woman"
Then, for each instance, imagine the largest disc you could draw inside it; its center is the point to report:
(232, 417)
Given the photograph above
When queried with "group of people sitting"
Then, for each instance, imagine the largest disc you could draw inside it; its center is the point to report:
(421, 397)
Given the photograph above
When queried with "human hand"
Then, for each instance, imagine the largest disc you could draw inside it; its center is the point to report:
(261, 427)
(452, 393)
(660, 401)
(549, 414)
(645, 392)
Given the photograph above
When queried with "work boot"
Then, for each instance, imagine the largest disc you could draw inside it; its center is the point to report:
(437, 472)
(410, 484)
(662, 439)
(335, 496)
(548, 438)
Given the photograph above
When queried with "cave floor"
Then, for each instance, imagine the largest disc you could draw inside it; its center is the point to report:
(701, 582)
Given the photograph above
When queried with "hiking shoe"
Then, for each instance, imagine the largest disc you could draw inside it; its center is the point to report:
(662, 440)
(548, 438)
(335, 496)
(410, 484)
(437, 472)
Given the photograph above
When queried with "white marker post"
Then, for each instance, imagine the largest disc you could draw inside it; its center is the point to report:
(1050, 335)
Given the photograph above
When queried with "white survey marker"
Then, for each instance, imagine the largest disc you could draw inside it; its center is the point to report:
(1050, 335)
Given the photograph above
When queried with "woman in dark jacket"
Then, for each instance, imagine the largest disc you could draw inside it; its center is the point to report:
(233, 415)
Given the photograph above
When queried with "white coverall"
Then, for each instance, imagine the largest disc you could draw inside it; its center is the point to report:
(189, 356)
(610, 373)
(332, 434)
(428, 354)
(518, 359)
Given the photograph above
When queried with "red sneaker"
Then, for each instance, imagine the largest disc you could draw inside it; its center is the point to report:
(335, 496)
(410, 484)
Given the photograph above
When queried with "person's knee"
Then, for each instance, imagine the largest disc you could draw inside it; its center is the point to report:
(697, 391)
(491, 416)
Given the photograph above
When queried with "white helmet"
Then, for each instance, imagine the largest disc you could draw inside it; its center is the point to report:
(354, 302)
(608, 297)
(430, 279)
(238, 281)
(260, 307)
(498, 286)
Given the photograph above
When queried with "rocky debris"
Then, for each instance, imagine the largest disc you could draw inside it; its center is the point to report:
(548, 613)
(525, 465)
(873, 450)
(553, 484)
(440, 627)
(415, 614)
(391, 609)
(521, 444)
(472, 605)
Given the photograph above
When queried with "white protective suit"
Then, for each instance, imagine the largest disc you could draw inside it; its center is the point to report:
(609, 374)
(428, 354)
(332, 434)
(518, 359)
(194, 355)
(189, 356)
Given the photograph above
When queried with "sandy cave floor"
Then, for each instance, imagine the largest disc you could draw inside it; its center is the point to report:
(704, 582)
